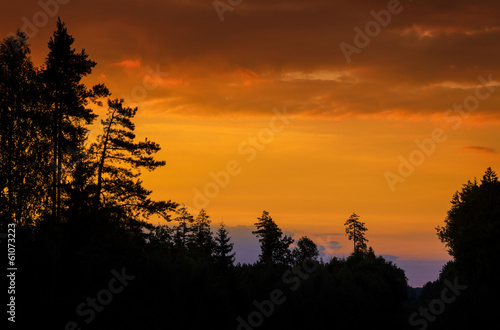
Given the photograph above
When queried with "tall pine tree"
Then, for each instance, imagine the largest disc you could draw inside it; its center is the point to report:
(355, 231)
(119, 159)
(201, 241)
(183, 231)
(68, 99)
(23, 144)
(273, 243)
(223, 255)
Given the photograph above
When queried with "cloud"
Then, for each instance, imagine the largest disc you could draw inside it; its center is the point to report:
(129, 64)
(325, 249)
(267, 53)
(481, 149)
(389, 257)
(334, 245)
(329, 234)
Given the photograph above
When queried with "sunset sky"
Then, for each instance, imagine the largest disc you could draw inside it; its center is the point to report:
(307, 109)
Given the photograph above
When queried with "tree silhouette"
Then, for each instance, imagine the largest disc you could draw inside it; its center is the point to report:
(44, 115)
(67, 99)
(306, 250)
(201, 240)
(161, 236)
(223, 255)
(489, 177)
(119, 159)
(273, 243)
(470, 233)
(472, 227)
(355, 231)
(183, 231)
(23, 144)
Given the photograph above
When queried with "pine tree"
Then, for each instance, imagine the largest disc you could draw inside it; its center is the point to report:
(273, 243)
(67, 98)
(183, 231)
(355, 231)
(489, 176)
(23, 143)
(201, 240)
(223, 248)
(161, 235)
(119, 159)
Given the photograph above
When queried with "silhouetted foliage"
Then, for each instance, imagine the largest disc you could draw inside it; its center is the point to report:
(183, 231)
(119, 159)
(82, 212)
(23, 144)
(471, 232)
(223, 250)
(306, 250)
(472, 228)
(66, 100)
(201, 241)
(355, 231)
(273, 243)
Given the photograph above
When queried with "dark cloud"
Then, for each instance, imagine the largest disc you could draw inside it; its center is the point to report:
(481, 149)
(266, 53)
(334, 245)
(328, 234)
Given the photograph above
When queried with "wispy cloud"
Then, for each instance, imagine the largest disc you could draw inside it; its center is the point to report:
(481, 149)
(129, 64)
(390, 257)
(334, 245)
(436, 52)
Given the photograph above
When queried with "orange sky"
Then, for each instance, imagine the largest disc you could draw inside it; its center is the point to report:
(208, 92)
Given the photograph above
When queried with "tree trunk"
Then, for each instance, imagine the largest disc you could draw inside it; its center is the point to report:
(101, 163)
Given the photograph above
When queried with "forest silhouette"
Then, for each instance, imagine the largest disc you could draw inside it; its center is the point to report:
(88, 258)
